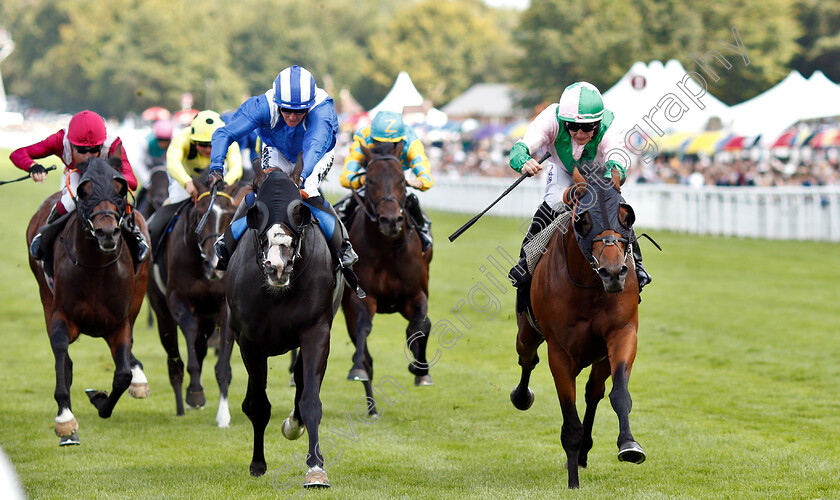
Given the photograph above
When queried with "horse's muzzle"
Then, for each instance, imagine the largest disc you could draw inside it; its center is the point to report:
(108, 239)
(613, 277)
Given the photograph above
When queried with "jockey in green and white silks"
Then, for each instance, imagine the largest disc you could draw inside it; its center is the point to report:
(576, 131)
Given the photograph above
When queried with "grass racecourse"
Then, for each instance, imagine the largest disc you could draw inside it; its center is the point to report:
(736, 389)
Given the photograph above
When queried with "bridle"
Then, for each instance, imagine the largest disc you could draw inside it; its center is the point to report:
(202, 241)
(372, 211)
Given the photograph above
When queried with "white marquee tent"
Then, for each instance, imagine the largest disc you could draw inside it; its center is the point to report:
(402, 97)
(669, 87)
(792, 100)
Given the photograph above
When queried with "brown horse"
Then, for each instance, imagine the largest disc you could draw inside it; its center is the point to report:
(585, 306)
(393, 270)
(189, 292)
(97, 290)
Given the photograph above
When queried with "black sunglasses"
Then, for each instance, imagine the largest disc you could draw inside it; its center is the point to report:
(586, 127)
(83, 150)
(203, 144)
(293, 111)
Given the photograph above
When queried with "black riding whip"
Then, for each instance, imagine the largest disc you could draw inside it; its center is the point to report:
(48, 169)
(508, 190)
(203, 220)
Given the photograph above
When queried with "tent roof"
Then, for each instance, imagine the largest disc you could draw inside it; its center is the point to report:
(402, 94)
(483, 100)
(791, 100)
(631, 104)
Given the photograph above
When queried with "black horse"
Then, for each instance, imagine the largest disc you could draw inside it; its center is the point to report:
(98, 289)
(283, 293)
(187, 291)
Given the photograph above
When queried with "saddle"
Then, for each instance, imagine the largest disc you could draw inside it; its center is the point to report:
(49, 233)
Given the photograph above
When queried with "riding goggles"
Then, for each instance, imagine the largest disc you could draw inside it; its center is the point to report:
(586, 127)
(83, 150)
(293, 111)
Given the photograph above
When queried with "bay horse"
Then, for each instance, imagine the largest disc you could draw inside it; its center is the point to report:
(584, 298)
(283, 293)
(97, 288)
(392, 268)
(188, 291)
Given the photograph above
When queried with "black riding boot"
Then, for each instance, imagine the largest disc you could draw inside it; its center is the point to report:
(421, 220)
(641, 275)
(519, 274)
(35, 248)
(136, 241)
(340, 246)
(226, 243)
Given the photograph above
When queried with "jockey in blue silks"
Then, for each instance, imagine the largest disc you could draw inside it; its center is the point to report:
(294, 116)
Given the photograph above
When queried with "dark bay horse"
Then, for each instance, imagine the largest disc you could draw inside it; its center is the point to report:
(283, 293)
(97, 291)
(393, 270)
(585, 306)
(188, 291)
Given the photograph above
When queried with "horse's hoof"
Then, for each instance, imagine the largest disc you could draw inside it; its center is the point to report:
(292, 381)
(97, 398)
(66, 429)
(290, 429)
(316, 477)
(632, 452)
(423, 380)
(258, 468)
(196, 399)
(139, 391)
(71, 440)
(520, 402)
(358, 375)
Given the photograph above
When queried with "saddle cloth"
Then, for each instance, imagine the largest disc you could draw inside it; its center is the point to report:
(535, 247)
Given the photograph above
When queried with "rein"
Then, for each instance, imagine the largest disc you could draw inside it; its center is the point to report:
(76, 262)
(568, 269)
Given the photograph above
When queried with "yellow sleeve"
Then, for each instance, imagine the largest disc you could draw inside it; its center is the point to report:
(234, 164)
(352, 177)
(175, 154)
(420, 164)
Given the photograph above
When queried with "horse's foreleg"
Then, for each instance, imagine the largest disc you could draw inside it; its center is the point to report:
(417, 336)
(527, 342)
(359, 319)
(256, 404)
(314, 350)
(168, 332)
(571, 434)
(593, 395)
(622, 352)
(65, 422)
(120, 344)
(189, 325)
(223, 371)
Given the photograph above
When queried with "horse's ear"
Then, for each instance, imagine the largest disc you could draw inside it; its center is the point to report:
(366, 152)
(578, 177)
(616, 178)
(257, 216)
(398, 149)
(583, 224)
(626, 216)
(259, 173)
(299, 213)
(298, 169)
(84, 190)
(115, 163)
(121, 186)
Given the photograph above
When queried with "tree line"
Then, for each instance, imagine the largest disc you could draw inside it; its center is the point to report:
(121, 56)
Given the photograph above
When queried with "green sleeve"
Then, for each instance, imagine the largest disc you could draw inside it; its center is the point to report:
(622, 170)
(519, 156)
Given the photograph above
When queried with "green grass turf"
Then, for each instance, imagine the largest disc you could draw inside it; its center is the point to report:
(735, 389)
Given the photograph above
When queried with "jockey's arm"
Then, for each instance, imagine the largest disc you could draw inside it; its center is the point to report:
(25, 157)
(175, 155)
(244, 121)
(419, 164)
(352, 177)
(319, 138)
(543, 130)
(234, 164)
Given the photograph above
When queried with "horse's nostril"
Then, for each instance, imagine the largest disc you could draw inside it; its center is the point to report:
(604, 274)
(400, 219)
(623, 271)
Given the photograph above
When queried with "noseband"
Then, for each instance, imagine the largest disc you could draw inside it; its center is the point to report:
(87, 222)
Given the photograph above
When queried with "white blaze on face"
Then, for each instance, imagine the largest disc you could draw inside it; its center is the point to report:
(277, 239)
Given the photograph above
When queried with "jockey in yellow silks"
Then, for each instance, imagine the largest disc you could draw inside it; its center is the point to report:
(388, 126)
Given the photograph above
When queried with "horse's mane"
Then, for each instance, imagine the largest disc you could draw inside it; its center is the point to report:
(383, 148)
